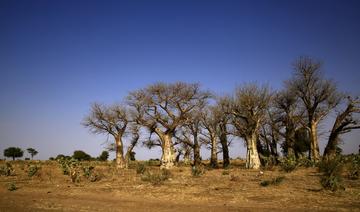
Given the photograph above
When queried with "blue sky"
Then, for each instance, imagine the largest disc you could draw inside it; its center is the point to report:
(56, 57)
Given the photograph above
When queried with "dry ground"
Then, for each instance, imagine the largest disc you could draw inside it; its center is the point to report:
(235, 189)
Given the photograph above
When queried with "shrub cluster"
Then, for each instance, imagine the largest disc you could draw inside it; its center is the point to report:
(332, 170)
(197, 171)
(6, 170)
(156, 178)
(274, 181)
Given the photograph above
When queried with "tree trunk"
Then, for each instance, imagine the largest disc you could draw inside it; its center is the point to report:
(13, 157)
(168, 155)
(225, 150)
(120, 161)
(314, 145)
(252, 155)
(213, 158)
(187, 156)
(289, 139)
(197, 157)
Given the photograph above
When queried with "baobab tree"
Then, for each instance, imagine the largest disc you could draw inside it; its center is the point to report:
(111, 120)
(162, 108)
(317, 94)
(344, 123)
(249, 107)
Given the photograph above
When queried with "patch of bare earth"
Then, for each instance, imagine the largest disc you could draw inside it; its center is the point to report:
(236, 189)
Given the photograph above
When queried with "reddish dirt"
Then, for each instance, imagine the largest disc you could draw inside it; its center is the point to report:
(236, 189)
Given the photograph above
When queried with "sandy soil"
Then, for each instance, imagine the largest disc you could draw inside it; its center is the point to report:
(236, 189)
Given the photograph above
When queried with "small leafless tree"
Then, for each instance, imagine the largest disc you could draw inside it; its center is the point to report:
(344, 123)
(162, 108)
(249, 110)
(112, 120)
(318, 96)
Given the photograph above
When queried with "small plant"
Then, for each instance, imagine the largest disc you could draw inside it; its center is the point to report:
(331, 169)
(353, 168)
(288, 164)
(306, 162)
(274, 181)
(225, 172)
(6, 170)
(12, 187)
(197, 171)
(33, 169)
(90, 174)
(156, 178)
(140, 168)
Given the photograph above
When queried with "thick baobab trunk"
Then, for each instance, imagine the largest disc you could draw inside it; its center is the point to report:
(225, 150)
(314, 145)
(168, 155)
(330, 149)
(252, 155)
(213, 157)
(120, 161)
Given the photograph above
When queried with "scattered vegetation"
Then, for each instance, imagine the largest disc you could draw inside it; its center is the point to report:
(6, 170)
(33, 169)
(332, 170)
(275, 181)
(197, 171)
(353, 167)
(156, 178)
(288, 164)
(140, 168)
(12, 187)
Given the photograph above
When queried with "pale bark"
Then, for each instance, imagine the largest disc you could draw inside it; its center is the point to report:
(213, 157)
(252, 155)
(168, 154)
(314, 145)
(120, 161)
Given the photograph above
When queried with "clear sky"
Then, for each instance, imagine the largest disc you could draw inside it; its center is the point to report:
(56, 57)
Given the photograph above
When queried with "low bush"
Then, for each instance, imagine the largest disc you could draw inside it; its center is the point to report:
(156, 178)
(140, 168)
(225, 172)
(332, 170)
(288, 164)
(6, 170)
(197, 171)
(12, 187)
(90, 174)
(274, 181)
(353, 167)
(33, 169)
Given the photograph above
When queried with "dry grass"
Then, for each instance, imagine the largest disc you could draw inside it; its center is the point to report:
(238, 189)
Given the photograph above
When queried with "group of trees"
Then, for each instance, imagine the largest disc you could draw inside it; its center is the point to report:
(16, 152)
(180, 117)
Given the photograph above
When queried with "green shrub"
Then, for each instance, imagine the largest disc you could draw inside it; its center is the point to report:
(12, 187)
(90, 174)
(353, 167)
(33, 169)
(288, 164)
(156, 178)
(306, 162)
(331, 169)
(225, 172)
(197, 171)
(6, 170)
(140, 168)
(274, 181)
